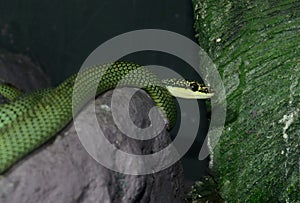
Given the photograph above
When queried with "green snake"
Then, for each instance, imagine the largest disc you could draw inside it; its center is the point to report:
(29, 120)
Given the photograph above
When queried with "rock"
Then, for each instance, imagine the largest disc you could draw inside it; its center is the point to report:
(255, 45)
(63, 171)
(20, 71)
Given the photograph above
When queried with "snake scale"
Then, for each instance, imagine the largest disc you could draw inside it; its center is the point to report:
(29, 120)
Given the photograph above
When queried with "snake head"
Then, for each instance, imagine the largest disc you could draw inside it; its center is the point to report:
(187, 89)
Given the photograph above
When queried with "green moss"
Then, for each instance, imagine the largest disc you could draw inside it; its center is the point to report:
(256, 46)
(204, 191)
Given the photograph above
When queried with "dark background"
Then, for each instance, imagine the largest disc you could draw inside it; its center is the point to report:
(59, 35)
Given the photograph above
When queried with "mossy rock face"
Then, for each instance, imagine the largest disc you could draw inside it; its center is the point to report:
(256, 46)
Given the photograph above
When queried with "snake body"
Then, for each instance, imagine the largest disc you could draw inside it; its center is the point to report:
(8, 91)
(30, 120)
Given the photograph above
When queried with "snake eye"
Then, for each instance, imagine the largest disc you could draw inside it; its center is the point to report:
(194, 87)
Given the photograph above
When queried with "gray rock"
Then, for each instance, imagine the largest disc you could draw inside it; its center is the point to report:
(20, 71)
(63, 171)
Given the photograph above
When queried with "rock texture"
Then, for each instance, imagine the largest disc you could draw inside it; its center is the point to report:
(63, 171)
(255, 45)
(20, 71)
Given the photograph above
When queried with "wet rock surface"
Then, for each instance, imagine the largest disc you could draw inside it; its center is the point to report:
(255, 46)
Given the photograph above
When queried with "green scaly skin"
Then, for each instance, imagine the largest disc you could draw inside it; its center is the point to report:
(29, 121)
(9, 91)
(11, 111)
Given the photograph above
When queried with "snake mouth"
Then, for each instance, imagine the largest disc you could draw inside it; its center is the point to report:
(187, 93)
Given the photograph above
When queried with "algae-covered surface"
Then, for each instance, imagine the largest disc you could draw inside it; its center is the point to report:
(256, 47)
